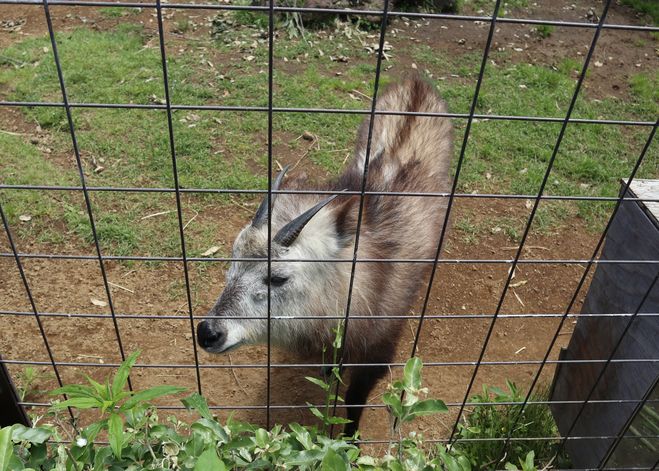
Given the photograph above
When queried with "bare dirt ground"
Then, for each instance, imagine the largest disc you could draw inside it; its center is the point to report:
(157, 289)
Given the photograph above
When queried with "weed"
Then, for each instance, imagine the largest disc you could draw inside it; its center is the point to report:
(27, 382)
(469, 229)
(544, 31)
(488, 421)
(182, 25)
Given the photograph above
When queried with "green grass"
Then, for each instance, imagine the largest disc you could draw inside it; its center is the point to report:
(647, 7)
(496, 421)
(229, 149)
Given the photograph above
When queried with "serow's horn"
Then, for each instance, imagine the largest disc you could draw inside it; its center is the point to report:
(287, 234)
(261, 215)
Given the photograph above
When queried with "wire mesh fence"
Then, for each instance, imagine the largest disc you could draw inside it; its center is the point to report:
(470, 367)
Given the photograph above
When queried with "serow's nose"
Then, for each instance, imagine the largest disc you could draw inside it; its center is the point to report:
(208, 337)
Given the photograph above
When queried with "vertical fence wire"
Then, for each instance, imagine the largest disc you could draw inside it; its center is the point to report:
(607, 363)
(360, 213)
(179, 211)
(454, 186)
(271, 46)
(534, 209)
(28, 291)
(83, 183)
(582, 281)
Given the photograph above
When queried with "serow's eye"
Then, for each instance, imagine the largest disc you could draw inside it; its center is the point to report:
(276, 280)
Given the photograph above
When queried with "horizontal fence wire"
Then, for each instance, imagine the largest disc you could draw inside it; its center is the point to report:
(477, 117)
(445, 261)
(332, 11)
(377, 406)
(472, 118)
(323, 365)
(409, 194)
(335, 317)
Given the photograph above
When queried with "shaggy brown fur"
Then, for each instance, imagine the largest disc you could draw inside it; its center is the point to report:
(408, 154)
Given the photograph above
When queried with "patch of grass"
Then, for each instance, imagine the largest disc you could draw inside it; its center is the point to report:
(645, 88)
(469, 229)
(646, 7)
(229, 149)
(490, 421)
(544, 31)
(118, 12)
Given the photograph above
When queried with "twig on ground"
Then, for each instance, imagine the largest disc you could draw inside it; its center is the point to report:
(161, 213)
(519, 299)
(235, 377)
(11, 133)
(192, 219)
(527, 247)
(121, 287)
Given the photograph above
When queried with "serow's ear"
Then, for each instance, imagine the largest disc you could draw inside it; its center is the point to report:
(261, 215)
(287, 234)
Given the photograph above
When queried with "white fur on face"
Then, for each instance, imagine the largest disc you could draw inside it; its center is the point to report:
(296, 297)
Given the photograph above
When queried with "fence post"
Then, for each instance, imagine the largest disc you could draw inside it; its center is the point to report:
(11, 412)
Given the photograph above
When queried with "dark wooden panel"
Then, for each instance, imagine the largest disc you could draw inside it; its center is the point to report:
(10, 411)
(615, 289)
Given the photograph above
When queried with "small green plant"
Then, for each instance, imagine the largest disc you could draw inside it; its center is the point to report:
(329, 384)
(527, 464)
(27, 382)
(493, 420)
(182, 25)
(544, 31)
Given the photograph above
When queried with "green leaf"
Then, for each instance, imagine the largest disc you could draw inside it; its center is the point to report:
(464, 463)
(316, 412)
(38, 454)
(336, 420)
(261, 437)
(412, 373)
(74, 390)
(209, 461)
(217, 429)
(98, 387)
(92, 430)
(6, 448)
(32, 435)
(121, 376)
(150, 394)
(333, 462)
(393, 401)
(101, 457)
(426, 407)
(78, 403)
(116, 434)
(318, 382)
(302, 435)
(198, 403)
(529, 464)
(511, 467)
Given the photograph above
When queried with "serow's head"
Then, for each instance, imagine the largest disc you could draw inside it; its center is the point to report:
(240, 314)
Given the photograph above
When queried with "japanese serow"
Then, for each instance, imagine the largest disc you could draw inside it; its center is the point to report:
(408, 154)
